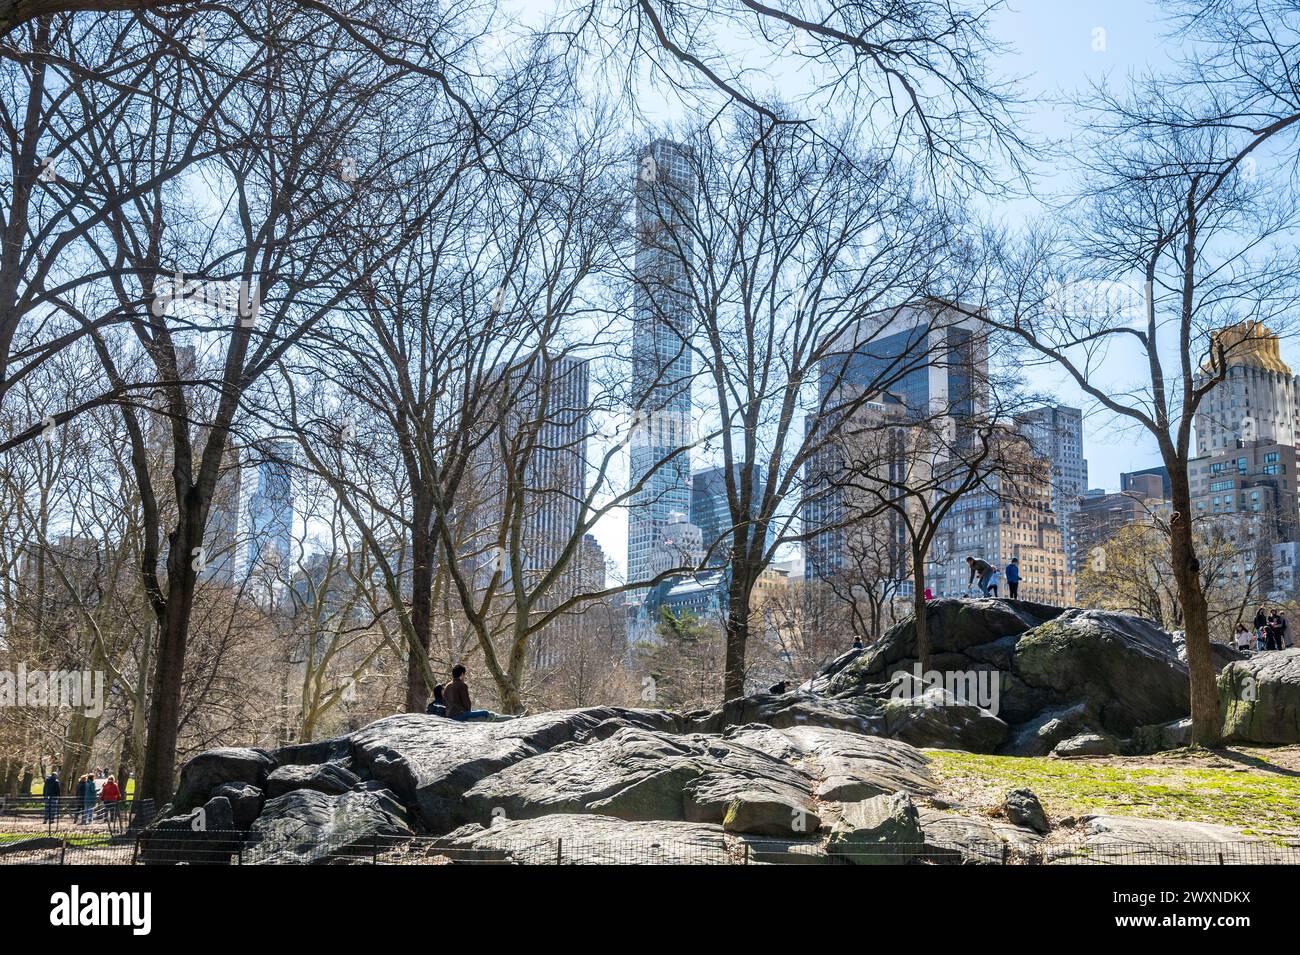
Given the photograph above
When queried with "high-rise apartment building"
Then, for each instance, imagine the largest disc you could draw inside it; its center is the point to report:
(1259, 397)
(711, 510)
(997, 521)
(661, 356)
(541, 477)
(915, 365)
(1055, 433)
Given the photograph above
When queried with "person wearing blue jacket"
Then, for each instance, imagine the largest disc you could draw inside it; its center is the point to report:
(1013, 578)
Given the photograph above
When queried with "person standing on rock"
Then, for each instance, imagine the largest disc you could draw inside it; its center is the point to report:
(456, 697)
(1242, 637)
(983, 570)
(1013, 578)
(1261, 628)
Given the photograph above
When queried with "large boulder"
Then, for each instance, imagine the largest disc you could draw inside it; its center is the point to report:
(932, 716)
(431, 762)
(878, 831)
(202, 836)
(208, 770)
(306, 826)
(1087, 744)
(855, 713)
(245, 802)
(963, 635)
(591, 839)
(764, 812)
(953, 838)
(1125, 669)
(639, 774)
(328, 778)
(1260, 698)
(1041, 734)
(847, 767)
(308, 754)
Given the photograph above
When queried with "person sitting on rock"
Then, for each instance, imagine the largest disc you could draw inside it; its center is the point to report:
(455, 696)
(857, 642)
(983, 570)
(779, 687)
(437, 706)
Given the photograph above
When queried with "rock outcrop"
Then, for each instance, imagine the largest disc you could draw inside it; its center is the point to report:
(1014, 677)
(1260, 698)
(828, 774)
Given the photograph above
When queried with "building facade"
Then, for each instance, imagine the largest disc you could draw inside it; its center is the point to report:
(1055, 433)
(661, 357)
(1258, 398)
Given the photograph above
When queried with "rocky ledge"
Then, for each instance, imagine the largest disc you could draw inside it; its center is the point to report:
(832, 772)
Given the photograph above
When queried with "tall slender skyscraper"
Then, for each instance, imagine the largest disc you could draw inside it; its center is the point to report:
(270, 512)
(662, 366)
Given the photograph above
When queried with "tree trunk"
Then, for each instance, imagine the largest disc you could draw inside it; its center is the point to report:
(1207, 725)
(918, 610)
(417, 686)
(159, 774)
(733, 679)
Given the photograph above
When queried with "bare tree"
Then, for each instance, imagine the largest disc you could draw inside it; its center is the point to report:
(791, 254)
(1168, 219)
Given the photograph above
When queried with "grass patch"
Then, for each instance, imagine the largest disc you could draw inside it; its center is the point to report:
(1251, 799)
(82, 839)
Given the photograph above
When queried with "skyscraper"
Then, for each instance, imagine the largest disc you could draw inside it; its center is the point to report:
(891, 370)
(1259, 398)
(711, 510)
(270, 512)
(661, 357)
(1055, 432)
(546, 423)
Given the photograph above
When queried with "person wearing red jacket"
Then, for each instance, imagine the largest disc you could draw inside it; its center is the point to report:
(110, 795)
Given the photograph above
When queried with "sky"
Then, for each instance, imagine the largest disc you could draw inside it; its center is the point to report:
(1055, 48)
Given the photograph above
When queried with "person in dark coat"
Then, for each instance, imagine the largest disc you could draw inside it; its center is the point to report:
(89, 796)
(437, 706)
(983, 570)
(779, 687)
(1261, 628)
(1013, 578)
(53, 788)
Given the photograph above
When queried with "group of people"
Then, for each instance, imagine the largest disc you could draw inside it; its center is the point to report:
(85, 795)
(1270, 632)
(989, 577)
(452, 699)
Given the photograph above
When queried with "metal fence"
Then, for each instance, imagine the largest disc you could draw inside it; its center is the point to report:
(68, 814)
(156, 847)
